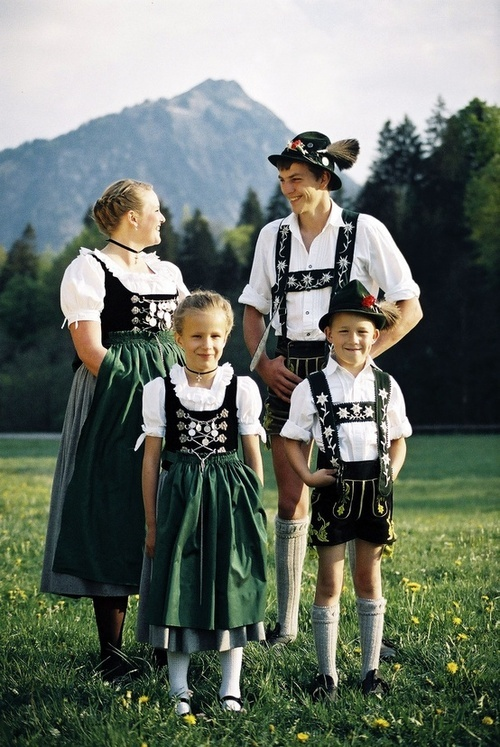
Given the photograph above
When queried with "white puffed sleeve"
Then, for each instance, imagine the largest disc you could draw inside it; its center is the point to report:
(302, 415)
(153, 410)
(399, 425)
(249, 406)
(82, 289)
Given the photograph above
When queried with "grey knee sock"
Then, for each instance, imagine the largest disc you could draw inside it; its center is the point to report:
(325, 626)
(371, 628)
(290, 550)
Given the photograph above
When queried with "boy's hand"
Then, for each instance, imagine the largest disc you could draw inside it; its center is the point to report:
(322, 478)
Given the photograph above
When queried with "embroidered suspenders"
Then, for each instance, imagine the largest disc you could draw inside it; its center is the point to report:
(306, 280)
(332, 415)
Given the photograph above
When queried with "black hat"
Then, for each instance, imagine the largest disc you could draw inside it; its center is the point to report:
(355, 299)
(316, 149)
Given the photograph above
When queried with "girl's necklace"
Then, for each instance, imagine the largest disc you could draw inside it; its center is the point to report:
(112, 241)
(199, 374)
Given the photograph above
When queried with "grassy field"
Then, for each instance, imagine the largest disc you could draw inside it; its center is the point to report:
(441, 583)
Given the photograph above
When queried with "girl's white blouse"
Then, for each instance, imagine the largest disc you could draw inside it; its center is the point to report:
(199, 399)
(83, 291)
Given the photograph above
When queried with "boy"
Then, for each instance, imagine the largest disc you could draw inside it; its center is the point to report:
(356, 414)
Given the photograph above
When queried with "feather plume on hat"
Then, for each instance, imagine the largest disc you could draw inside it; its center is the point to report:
(344, 152)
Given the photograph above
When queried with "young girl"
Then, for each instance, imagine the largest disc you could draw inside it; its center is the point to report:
(356, 414)
(208, 539)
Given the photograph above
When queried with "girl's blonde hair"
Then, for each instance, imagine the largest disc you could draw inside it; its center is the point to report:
(116, 200)
(202, 300)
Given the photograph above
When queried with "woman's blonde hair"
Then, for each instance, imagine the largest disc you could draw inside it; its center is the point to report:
(202, 300)
(116, 200)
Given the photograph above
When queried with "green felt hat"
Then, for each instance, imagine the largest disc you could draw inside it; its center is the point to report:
(355, 299)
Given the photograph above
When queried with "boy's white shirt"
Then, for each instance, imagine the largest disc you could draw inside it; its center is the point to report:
(357, 440)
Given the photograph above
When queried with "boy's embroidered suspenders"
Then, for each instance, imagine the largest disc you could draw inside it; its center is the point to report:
(306, 280)
(332, 415)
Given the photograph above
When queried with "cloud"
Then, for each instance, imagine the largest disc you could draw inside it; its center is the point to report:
(337, 66)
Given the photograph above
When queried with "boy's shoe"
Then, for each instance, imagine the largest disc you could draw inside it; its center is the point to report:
(388, 650)
(276, 638)
(323, 689)
(374, 685)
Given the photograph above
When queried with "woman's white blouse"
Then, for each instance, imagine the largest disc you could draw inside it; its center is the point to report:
(357, 440)
(83, 291)
(199, 399)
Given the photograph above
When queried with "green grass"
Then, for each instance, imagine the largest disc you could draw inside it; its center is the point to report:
(442, 588)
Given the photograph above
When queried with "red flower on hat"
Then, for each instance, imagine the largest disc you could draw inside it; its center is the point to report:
(368, 302)
(297, 145)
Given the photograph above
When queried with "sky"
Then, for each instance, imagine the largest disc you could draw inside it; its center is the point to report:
(341, 67)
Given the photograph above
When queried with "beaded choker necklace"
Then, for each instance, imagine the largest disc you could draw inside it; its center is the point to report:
(199, 374)
(112, 241)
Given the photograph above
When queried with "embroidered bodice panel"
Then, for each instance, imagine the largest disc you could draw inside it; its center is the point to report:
(202, 433)
(125, 310)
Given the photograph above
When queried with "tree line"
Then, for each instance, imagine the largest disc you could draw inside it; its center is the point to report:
(437, 192)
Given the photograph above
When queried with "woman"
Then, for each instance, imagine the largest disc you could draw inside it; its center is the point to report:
(118, 303)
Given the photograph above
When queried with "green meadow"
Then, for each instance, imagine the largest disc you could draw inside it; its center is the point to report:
(442, 586)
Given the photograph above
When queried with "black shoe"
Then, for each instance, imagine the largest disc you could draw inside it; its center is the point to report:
(116, 667)
(374, 685)
(323, 689)
(388, 650)
(275, 638)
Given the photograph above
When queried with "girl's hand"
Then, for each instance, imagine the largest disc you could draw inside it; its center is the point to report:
(150, 542)
(322, 478)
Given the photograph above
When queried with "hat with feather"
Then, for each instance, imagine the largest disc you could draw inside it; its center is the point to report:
(315, 149)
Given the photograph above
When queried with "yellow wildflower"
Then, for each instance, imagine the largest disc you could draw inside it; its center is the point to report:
(380, 723)
(457, 621)
(487, 721)
(415, 620)
(272, 728)
(439, 711)
(396, 667)
(189, 718)
(413, 586)
(143, 699)
(462, 637)
(302, 736)
(452, 667)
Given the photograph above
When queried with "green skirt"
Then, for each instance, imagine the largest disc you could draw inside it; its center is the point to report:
(101, 533)
(209, 569)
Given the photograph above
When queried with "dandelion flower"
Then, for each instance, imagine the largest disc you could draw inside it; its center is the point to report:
(458, 562)
(457, 621)
(487, 721)
(143, 699)
(439, 711)
(452, 667)
(396, 667)
(272, 728)
(380, 723)
(462, 637)
(415, 620)
(189, 718)
(302, 736)
(129, 694)
(413, 586)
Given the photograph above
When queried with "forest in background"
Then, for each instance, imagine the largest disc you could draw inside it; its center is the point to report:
(438, 192)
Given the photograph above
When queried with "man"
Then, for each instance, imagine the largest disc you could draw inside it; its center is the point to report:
(299, 262)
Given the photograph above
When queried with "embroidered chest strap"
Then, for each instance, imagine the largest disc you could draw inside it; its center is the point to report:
(305, 280)
(332, 415)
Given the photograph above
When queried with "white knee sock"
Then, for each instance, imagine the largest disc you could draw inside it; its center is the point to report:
(325, 626)
(230, 662)
(290, 550)
(178, 665)
(371, 628)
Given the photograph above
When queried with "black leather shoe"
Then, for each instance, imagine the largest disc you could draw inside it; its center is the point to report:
(374, 685)
(323, 689)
